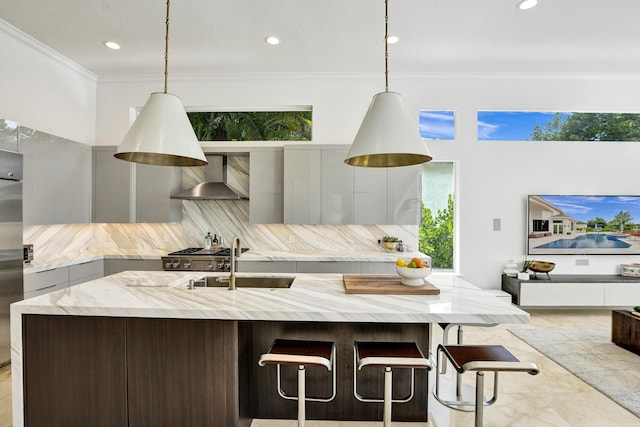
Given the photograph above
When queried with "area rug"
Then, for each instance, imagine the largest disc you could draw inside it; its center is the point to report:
(591, 356)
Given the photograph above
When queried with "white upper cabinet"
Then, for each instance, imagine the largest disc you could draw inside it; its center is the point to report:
(126, 192)
(302, 185)
(320, 189)
(336, 187)
(266, 186)
(57, 179)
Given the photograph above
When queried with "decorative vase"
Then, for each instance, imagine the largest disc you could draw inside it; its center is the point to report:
(523, 275)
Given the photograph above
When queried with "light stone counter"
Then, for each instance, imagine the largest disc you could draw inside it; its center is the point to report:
(311, 298)
(67, 259)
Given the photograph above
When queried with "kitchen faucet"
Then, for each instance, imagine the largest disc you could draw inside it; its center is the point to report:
(235, 246)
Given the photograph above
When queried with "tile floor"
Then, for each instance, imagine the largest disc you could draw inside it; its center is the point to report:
(553, 398)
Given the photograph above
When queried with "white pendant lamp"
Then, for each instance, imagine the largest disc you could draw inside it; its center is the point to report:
(162, 134)
(387, 136)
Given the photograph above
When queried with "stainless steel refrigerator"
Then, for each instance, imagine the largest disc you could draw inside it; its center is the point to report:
(11, 251)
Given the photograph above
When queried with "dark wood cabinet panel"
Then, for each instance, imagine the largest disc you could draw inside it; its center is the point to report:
(74, 371)
(182, 373)
(267, 403)
(137, 372)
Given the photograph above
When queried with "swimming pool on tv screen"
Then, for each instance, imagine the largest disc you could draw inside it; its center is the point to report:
(589, 241)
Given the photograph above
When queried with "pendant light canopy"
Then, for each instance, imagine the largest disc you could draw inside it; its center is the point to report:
(388, 137)
(162, 134)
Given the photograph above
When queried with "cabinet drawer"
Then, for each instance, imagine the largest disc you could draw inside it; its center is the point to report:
(267, 266)
(44, 279)
(329, 267)
(113, 266)
(378, 268)
(621, 294)
(86, 271)
(45, 290)
(562, 294)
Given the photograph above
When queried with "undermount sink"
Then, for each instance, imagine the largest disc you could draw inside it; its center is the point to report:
(246, 282)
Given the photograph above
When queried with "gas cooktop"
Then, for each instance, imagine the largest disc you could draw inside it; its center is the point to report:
(204, 252)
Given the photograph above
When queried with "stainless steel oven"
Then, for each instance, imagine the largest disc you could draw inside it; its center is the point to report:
(199, 259)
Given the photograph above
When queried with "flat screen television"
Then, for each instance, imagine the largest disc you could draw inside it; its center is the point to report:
(583, 225)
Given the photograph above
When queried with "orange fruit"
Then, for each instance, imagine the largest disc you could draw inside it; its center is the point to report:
(418, 262)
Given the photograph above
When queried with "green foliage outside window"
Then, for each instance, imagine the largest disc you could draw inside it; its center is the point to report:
(589, 127)
(252, 126)
(436, 235)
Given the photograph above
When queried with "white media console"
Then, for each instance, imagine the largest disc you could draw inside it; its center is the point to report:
(574, 290)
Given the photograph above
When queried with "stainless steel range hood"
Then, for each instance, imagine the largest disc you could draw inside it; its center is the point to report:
(215, 186)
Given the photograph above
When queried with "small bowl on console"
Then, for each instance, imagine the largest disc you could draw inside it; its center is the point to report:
(413, 276)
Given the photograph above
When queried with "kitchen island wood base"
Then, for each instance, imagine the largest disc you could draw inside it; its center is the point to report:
(110, 371)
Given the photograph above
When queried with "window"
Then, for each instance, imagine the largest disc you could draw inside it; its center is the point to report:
(289, 125)
(437, 124)
(540, 225)
(557, 126)
(436, 232)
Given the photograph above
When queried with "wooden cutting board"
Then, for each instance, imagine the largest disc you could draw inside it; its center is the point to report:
(384, 284)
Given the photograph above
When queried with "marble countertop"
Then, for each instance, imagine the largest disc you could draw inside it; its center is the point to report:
(67, 259)
(312, 297)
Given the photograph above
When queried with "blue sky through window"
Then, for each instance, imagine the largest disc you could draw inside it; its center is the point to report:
(437, 124)
(511, 125)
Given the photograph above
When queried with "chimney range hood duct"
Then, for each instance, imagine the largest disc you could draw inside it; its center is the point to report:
(215, 186)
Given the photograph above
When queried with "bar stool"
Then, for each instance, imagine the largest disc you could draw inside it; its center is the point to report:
(442, 367)
(388, 355)
(481, 359)
(302, 353)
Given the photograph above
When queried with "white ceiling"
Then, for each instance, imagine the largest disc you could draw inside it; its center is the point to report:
(215, 36)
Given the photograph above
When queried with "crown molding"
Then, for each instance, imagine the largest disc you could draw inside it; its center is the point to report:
(45, 50)
(203, 77)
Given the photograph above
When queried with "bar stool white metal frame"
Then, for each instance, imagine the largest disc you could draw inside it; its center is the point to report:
(302, 354)
(442, 366)
(388, 355)
(480, 359)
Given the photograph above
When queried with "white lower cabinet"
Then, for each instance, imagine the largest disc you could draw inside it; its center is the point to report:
(113, 266)
(80, 273)
(42, 282)
(562, 294)
(345, 267)
(622, 294)
(378, 268)
(46, 281)
(339, 267)
(267, 266)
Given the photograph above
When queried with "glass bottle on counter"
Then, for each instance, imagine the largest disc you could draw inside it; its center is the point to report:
(215, 243)
(208, 241)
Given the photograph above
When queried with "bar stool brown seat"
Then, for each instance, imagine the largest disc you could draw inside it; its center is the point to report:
(456, 395)
(302, 353)
(388, 355)
(481, 359)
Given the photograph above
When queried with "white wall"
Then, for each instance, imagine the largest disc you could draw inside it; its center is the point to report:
(494, 177)
(43, 90)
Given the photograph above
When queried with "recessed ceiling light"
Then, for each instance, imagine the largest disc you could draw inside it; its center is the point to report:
(112, 45)
(526, 4)
(272, 40)
(393, 39)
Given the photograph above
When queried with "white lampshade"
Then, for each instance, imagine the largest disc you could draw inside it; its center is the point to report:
(162, 135)
(387, 136)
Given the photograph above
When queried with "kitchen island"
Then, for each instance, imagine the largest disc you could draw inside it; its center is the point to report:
(140, 348)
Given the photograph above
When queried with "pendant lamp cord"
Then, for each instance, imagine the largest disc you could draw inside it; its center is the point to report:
(386, 45)
(166, 49)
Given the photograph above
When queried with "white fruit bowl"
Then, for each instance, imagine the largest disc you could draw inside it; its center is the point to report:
(413, 276)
